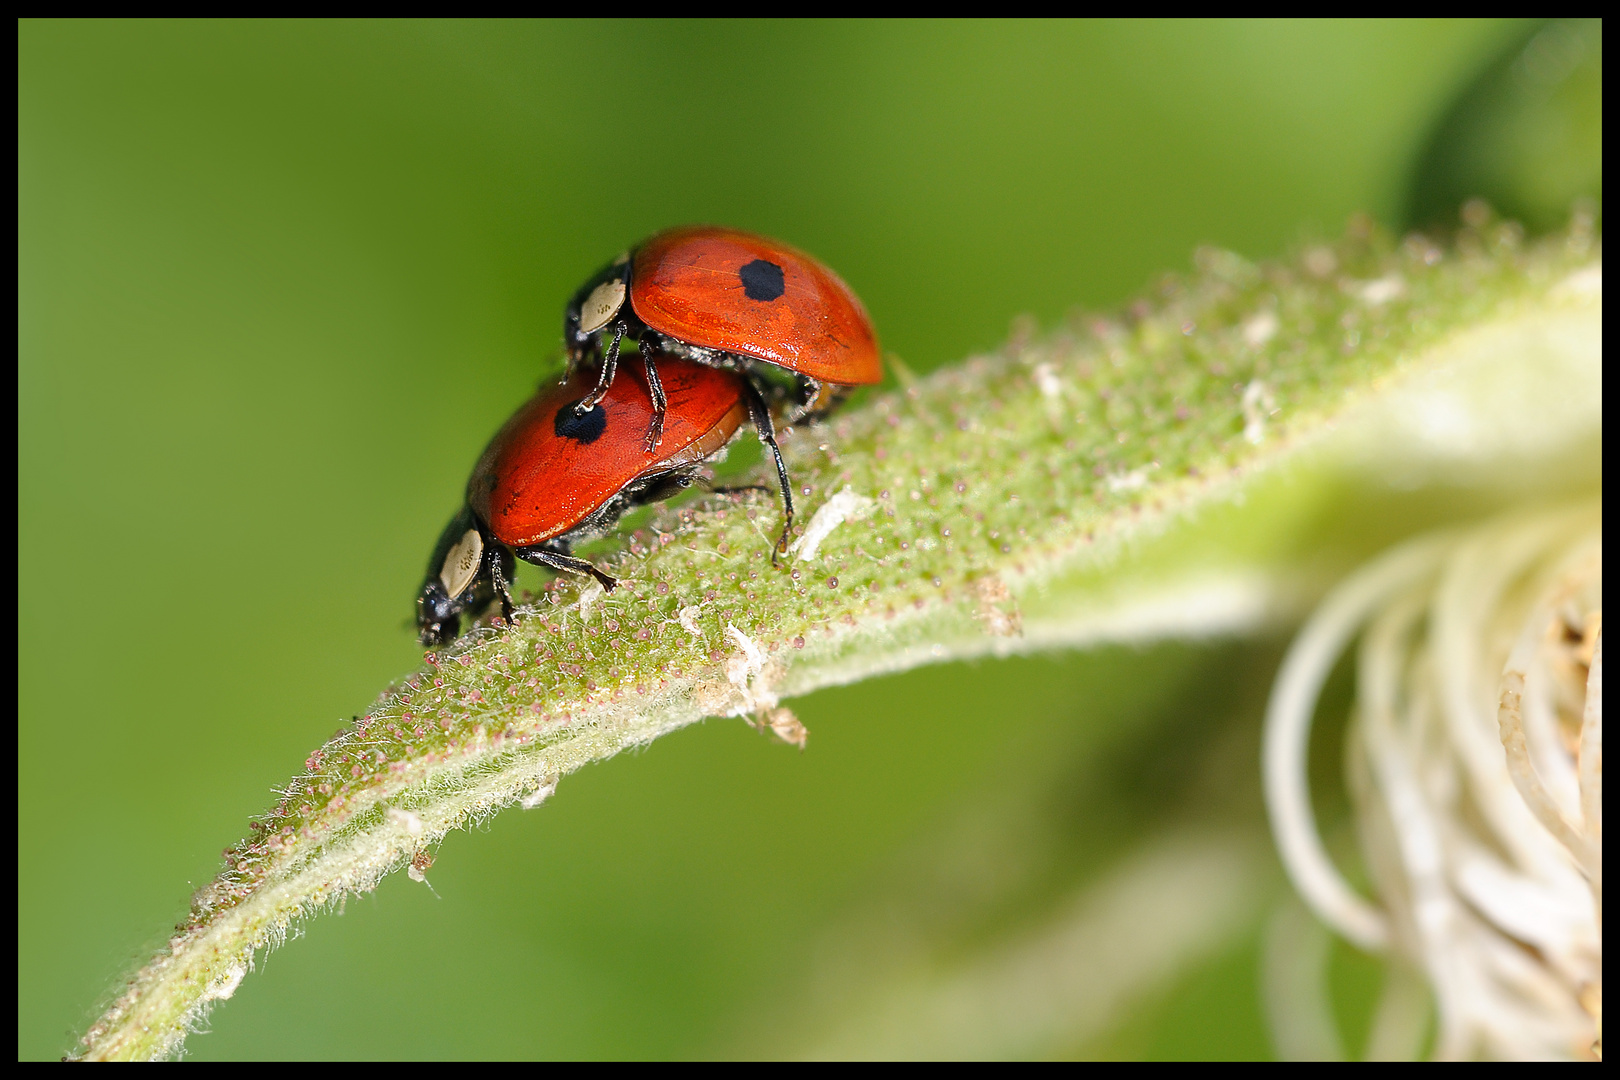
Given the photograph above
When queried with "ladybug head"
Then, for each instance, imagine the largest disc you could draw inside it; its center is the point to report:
(597, 303)
(458, 575)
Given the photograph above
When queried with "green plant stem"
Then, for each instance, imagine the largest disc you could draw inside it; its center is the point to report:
(1179, 468)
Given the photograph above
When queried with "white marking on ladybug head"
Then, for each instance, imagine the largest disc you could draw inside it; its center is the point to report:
(461, 563)
(621, 258)
(600, 307)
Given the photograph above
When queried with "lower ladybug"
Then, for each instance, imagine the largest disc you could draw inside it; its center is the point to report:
(731, 299)
(553, 476)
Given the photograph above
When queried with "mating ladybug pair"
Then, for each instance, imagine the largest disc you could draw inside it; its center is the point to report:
(728, 325)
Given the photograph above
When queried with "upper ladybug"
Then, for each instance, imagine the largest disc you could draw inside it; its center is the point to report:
(732, 299)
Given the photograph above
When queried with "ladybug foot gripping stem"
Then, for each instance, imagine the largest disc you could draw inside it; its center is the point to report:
(501, 576)
(766, 431)
(782, 541)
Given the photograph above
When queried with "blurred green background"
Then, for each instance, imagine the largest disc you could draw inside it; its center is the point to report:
(277, 283)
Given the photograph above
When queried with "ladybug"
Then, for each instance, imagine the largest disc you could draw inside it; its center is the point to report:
(731, 299)
(553, 476)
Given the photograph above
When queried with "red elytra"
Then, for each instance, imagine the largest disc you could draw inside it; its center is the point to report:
(730, 299)
(540, 478)
(692, 284)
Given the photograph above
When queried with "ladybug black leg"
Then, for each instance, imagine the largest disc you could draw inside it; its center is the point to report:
(501, 573)
(728, 489)
(567, 563)
(660, 403)
(767, 435)
(610, 368)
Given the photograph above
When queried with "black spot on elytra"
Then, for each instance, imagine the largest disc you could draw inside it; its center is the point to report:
(584, 429)
(762, 280)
